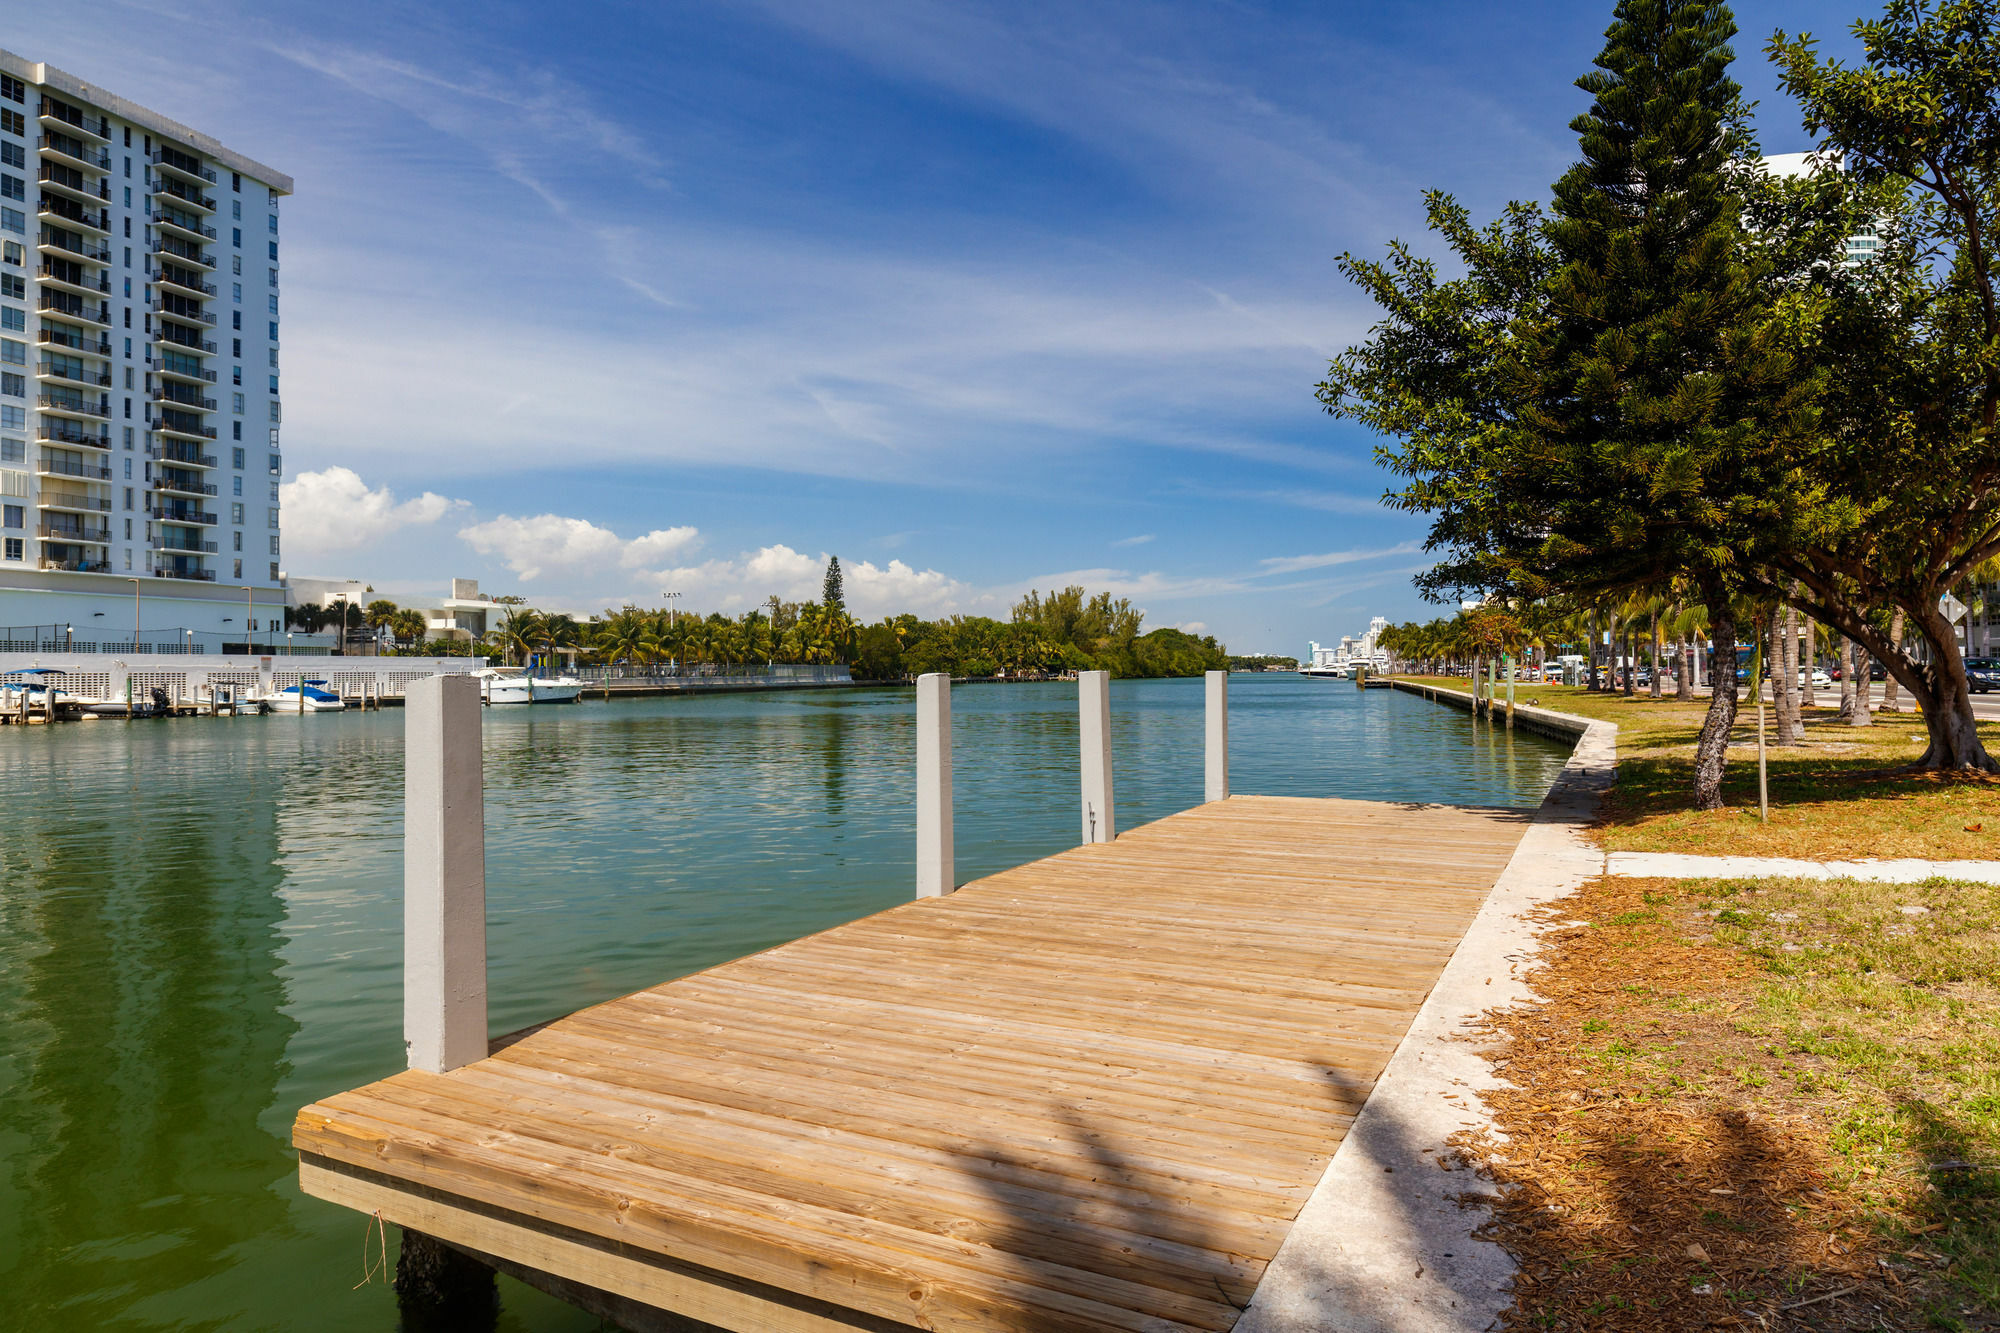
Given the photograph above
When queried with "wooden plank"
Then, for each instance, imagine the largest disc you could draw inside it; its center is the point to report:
(1087, 1093)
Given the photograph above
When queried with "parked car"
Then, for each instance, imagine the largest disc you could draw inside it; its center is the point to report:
(1819, 678)
(1982, 674)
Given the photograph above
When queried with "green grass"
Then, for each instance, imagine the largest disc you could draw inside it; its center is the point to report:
(1833, 796)
(1880, 1004)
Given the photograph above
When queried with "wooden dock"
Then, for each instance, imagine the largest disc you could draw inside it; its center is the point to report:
(1089, 1093)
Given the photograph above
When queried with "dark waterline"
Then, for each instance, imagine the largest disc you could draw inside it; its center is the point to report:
(200, 929)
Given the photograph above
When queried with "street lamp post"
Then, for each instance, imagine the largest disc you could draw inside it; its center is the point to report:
(671, 598)
(135, 613)
(249, 622)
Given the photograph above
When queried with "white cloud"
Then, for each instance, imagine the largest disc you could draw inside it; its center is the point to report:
(1140, 540)
(530, 546)
(872, 590)
(1292, 564)
(334, 510)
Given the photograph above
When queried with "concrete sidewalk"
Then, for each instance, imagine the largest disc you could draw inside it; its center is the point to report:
(1384, 1245)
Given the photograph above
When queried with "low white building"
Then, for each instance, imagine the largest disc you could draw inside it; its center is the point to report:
(466, 614)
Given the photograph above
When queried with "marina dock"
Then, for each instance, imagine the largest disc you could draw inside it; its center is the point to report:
(1092, 1092)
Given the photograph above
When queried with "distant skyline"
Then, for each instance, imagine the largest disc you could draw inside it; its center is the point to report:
(978, 298)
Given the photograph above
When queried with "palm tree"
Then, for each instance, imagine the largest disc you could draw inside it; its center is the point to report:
(515, 634)
(408, 626)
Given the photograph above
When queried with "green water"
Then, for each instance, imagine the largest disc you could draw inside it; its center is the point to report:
(200, 926)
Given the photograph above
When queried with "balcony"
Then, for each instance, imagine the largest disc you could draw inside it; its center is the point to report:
(167, 370)
(181, 164)
(204, 575)
(57, 241)
(184, 222)
(73, 152)
(165, 309)
(183, 486)
(175, 336)
(181, 432)
(182, 280)
(181, 455)
(72, 307)
(177, 514)
(57, 403)
(165, 187)
(73, 214)
(62, 432)
(81, 501)
(182, 252)
(189, 548)
(69, 182)
(56, 370)
(62, 467)
(61, 113)
(77, 566)
(75, 341)
(74, 532)
(197, 403)
(73, 282)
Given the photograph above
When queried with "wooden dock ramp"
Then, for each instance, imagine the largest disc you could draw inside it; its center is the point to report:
(1089, 1093)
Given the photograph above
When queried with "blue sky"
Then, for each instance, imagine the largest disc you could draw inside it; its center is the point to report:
(594, 301)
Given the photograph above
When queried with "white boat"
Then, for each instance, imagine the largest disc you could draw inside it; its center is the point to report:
(512, 685)
(310, 696)
(1326, 672)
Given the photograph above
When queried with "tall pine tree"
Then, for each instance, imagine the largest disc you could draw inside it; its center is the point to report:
(1604, 401)
(1659, 403)
(832, 595)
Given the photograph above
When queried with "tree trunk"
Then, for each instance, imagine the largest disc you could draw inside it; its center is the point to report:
(1808, 653)
(1684, 677)
(1631, 662)
(1948, 717)
(1857, 670)
(1783, 624)
(1844, 657)
(1654, 688)
(1889, 683)
(1711, 751)
(1592, 646)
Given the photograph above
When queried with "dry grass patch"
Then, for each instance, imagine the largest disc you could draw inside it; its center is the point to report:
(1834, 797)
(1770, 1105)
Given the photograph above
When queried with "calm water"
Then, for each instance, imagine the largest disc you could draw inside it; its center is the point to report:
(200, 928)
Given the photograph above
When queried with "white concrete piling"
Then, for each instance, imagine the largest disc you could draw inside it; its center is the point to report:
(936, 870)
(1215, 786)
(1093, 698)
(444, 875)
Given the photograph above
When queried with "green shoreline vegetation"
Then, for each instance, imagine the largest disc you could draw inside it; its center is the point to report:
(1048, 634)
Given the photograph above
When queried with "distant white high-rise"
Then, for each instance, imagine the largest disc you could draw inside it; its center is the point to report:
(139, 407)
(1862, 244)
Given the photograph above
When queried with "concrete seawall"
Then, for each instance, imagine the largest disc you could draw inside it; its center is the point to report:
(1541, 721)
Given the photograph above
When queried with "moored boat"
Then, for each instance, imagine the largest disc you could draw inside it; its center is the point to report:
(512, 685)
(309, 696)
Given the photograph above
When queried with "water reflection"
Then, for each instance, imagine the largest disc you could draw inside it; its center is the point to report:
(200, 925)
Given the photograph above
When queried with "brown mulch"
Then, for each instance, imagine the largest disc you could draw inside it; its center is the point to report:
(1661, 1169)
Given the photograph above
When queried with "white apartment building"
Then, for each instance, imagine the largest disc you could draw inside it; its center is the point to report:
(139, 405)
(1862, 244)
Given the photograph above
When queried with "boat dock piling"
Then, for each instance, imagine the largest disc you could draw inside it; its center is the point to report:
(1092, 1092)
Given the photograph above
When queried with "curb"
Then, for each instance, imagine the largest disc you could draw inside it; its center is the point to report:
(1384, 1244)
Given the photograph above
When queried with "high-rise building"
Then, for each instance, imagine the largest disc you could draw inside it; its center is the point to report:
(139, 406)
(1862, 244)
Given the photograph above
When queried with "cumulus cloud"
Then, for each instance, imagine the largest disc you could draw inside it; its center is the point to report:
(334, 510)
(872, 590)
(530, 546)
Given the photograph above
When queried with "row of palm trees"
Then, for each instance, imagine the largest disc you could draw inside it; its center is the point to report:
(632, 636)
